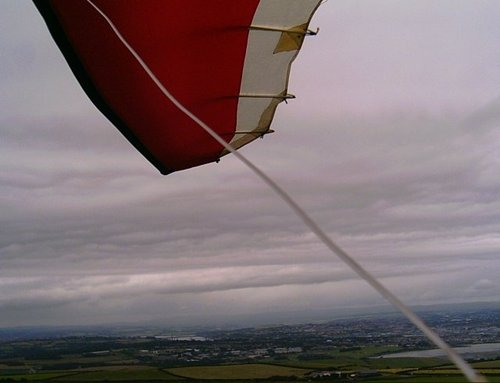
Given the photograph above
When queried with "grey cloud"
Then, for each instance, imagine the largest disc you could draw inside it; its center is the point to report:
(485, 118)
(485, 284)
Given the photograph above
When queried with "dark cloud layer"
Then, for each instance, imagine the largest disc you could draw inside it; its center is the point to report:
(392, 146)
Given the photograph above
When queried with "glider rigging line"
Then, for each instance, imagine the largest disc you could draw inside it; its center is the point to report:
(466, 369)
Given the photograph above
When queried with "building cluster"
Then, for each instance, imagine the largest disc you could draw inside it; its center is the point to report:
(312, 341)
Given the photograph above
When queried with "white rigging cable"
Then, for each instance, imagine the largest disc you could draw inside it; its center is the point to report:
(466, 369)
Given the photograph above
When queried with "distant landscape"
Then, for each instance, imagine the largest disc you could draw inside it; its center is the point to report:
(344, 349)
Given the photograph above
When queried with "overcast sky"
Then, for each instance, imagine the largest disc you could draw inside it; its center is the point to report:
(393, 145)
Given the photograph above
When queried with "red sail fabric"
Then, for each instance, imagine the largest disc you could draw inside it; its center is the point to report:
(196, 48)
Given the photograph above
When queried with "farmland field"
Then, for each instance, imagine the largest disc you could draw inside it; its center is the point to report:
(144, 374)
(344, 350)
(242, 371)
(34, 377)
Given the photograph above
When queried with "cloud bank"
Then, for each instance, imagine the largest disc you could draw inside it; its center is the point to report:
(392, 145)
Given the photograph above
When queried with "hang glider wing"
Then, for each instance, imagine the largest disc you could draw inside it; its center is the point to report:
(226, 61)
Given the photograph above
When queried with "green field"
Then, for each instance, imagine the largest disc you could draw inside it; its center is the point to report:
(143, 374)
(487, 364)
(135, 373)
(121, 365)
(33, 377)
(363, 358)
(240, 371)
(246, 372)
